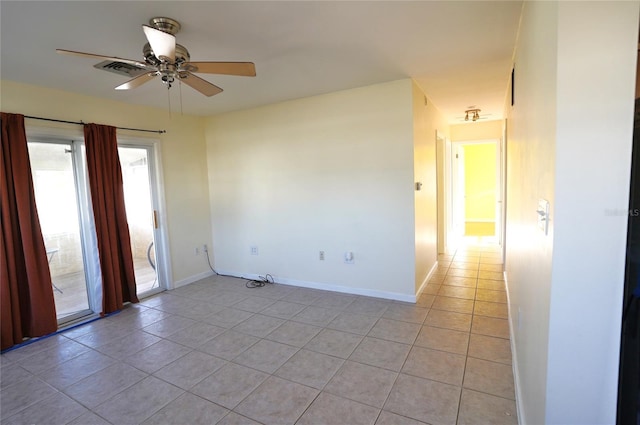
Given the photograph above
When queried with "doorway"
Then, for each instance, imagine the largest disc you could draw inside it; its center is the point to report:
(476, 191)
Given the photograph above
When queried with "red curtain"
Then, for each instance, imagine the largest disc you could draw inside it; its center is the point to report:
(27, 306)
(112, 230)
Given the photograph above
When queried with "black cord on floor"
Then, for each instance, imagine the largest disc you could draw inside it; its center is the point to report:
(209, 262)
(251, 283)
(259, 283)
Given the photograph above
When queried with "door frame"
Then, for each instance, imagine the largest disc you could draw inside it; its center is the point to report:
(160, 233)
(88, 243)
(443, 183)
(457, 185)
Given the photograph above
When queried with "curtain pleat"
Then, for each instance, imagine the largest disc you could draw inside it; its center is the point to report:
(112, 230)
(27, 305)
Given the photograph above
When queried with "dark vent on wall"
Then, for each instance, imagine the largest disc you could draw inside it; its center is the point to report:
(513, 82)
(120, 68)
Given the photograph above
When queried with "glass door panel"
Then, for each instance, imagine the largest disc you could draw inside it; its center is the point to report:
(136, 178)
(57, 201)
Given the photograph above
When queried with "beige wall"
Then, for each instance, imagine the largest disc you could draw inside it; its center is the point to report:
(427, 119)
(183, 154)
(331, 173)
(480, 130)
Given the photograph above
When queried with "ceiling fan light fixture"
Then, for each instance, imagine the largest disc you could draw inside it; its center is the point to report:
(163, 44)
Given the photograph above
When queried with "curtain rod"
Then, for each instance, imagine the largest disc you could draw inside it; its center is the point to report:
(82, 123)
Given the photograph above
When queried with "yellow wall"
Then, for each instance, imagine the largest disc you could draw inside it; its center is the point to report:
(480, 182)
(182, 149)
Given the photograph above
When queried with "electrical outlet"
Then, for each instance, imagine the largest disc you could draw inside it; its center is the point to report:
(253, 250)
(197, 250)
(348, 257)
(205, 248)
(321, 255)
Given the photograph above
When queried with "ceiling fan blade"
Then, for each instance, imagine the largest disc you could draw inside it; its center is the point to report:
(137, 82)
(109, 58)
(243, 69)
(163, 44)
(203, 86)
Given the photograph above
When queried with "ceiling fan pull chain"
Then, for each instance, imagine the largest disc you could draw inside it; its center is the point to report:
(169, 99)
(180, 90)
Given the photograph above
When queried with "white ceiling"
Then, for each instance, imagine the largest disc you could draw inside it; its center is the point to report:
(459, 52)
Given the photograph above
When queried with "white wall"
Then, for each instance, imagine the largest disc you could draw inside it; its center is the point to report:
(569, 141)
(182, 151)
(427, 120)
(332, 173)
(597, 44)
(530, 175)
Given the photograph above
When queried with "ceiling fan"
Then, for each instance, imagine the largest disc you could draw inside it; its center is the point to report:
(170, 61)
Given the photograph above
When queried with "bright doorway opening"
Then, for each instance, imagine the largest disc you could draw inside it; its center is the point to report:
(475, 192)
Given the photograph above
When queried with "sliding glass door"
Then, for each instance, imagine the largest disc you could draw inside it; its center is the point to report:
(138, 176)
(64, 209)
(58, 200)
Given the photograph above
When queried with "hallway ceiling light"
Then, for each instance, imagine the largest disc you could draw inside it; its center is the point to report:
(475, 114)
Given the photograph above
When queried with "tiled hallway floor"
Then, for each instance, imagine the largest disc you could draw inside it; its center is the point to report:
(215, 352)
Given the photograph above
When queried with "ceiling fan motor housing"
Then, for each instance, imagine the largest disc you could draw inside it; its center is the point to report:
(167, 25)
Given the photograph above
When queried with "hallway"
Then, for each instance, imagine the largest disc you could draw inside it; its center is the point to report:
(469, 316)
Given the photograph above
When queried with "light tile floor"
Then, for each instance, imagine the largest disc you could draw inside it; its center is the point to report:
(218, 352)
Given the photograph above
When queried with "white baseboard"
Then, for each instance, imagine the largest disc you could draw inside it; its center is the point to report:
(426, 280)
(514, 357)
(329, 287)
(191, 279)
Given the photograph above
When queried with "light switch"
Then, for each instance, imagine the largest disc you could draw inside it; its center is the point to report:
(543, 215)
